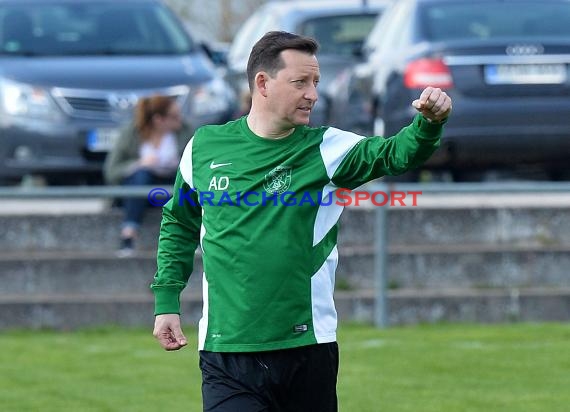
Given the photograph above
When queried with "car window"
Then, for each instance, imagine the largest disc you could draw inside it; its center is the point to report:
(339, 35)
(66, 28)
(486, 20)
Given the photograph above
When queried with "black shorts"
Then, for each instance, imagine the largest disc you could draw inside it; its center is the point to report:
(289, 380)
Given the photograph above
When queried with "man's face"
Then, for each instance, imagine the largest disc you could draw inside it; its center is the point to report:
(293, 92)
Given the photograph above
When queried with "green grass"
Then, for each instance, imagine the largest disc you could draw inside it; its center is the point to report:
(441, 368)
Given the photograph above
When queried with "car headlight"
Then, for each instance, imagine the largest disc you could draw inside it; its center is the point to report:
(212, 97)
(24, 100)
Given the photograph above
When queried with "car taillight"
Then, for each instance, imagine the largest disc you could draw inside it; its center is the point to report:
(427, 72)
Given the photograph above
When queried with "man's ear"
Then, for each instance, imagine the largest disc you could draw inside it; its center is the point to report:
(261, 79)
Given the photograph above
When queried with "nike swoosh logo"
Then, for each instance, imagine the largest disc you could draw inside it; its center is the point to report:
(216, 165)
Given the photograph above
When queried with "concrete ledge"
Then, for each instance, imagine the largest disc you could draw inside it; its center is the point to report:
(461, 267)
(413, 226)
(405, 307)
(77, 312)
(103, 273)
(488, 306)
(77, 232)
(87, 273)
(406, 226)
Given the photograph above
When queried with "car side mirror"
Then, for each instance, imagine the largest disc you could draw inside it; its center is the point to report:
(218, 56)
(360, 51)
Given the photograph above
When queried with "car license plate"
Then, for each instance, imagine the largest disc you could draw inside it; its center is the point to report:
(525, 73)
(102, 140)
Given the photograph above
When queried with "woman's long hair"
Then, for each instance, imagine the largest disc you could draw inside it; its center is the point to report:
(146, 109)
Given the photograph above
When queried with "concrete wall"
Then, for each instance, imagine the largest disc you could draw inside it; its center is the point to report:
(491, 264)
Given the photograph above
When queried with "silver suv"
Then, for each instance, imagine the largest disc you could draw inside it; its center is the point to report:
(71, 72)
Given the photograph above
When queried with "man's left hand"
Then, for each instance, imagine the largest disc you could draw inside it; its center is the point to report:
(434, 104)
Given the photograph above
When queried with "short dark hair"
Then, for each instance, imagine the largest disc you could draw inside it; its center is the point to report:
(265, 54)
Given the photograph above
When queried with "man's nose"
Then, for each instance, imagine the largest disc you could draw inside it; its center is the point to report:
(312, 94)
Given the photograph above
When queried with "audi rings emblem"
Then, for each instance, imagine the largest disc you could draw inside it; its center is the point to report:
(524, 49)
(122, 102)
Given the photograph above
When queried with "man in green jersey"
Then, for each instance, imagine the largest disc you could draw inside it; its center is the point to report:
(267, 336)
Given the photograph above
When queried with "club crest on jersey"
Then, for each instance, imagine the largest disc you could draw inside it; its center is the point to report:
(278, 180)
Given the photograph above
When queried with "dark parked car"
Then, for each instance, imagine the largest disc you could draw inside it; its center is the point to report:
(505, 63)
(340, 27)
(71, 72)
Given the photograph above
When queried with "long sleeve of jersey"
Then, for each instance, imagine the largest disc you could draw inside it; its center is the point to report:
(374, 157)
(179, 237)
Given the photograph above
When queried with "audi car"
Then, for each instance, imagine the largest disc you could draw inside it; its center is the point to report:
(71, 72)
(505, 64)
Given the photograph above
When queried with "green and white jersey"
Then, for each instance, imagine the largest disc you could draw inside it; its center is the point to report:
(268, 228)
